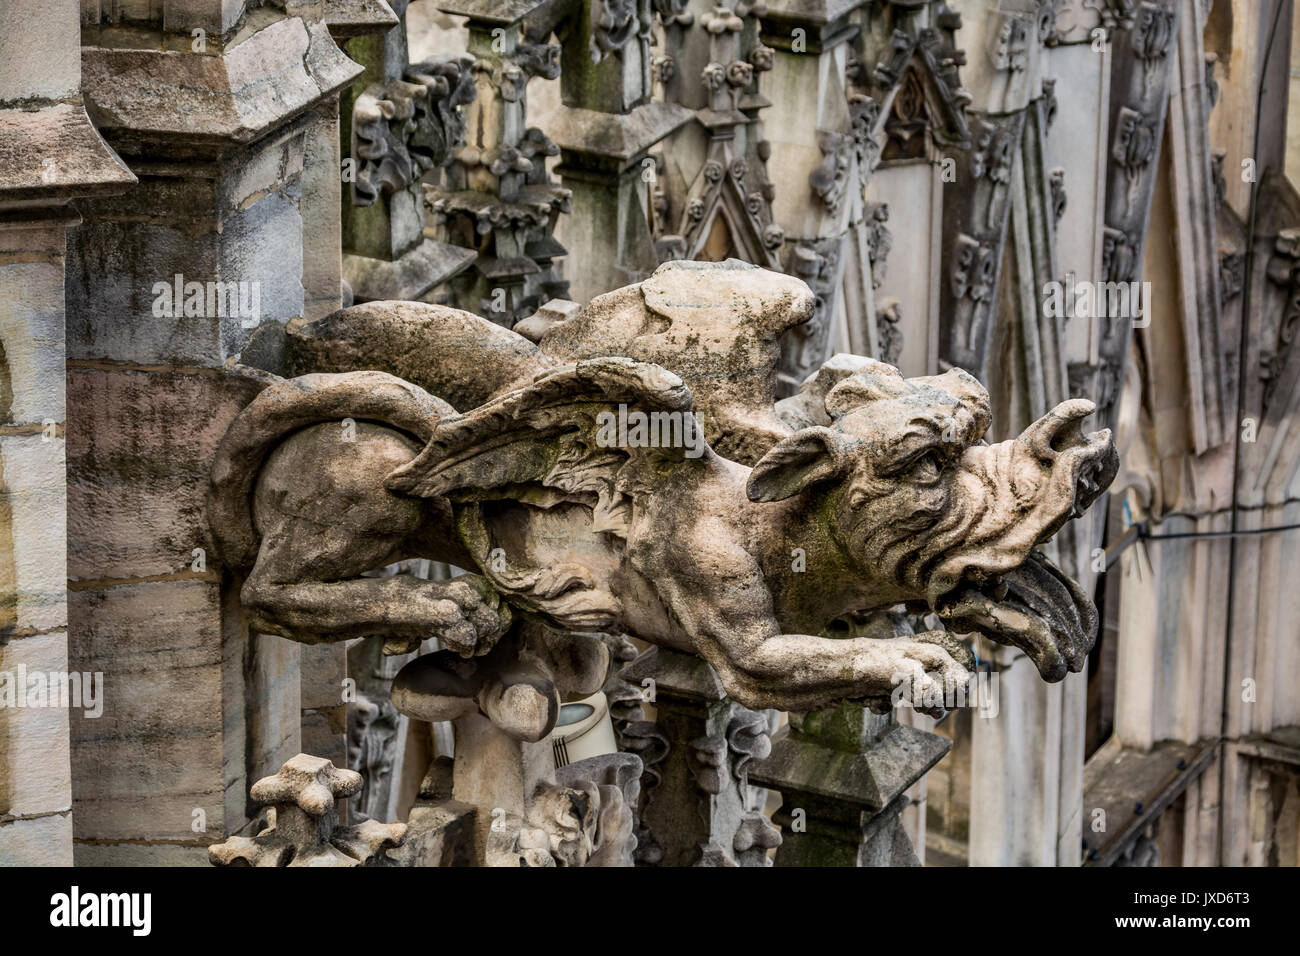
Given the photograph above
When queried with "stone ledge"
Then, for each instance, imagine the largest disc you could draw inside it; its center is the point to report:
(83, 164)
(826, 24)
(616, 136)
(870, 779)
(810, 11)
(409, 277)
(1118, 781)
(1281, 745)
(675, 675)
(261, 84)
(503, 12)
(355, 18)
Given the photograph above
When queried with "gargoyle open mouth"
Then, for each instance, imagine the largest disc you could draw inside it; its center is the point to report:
(1032, 604)
(1035, 607)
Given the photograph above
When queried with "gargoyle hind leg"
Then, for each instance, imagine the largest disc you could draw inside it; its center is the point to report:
(325, 518)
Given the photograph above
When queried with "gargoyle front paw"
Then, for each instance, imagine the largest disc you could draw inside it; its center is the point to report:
(465, 614)
(928, 671)
(484, 616)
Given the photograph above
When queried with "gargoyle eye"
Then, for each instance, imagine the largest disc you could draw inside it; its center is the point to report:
(926, 466)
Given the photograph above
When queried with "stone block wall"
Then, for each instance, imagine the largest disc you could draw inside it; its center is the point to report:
(51, 154)
(197, 707)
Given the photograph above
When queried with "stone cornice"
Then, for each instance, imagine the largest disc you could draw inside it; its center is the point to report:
(53, 155)
(141, 97)
(620, 137)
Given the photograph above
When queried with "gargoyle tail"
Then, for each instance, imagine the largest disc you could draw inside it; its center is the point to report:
(286, 407)
(461, 358)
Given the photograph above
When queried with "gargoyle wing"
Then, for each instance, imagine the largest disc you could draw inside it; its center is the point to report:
(548, 446)
(549, 433)
(719, 325)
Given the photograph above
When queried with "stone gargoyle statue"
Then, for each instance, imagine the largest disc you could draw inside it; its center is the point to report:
(630, 472)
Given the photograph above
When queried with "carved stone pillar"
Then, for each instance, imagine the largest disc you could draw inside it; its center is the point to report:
(842, 773)
(216, 115)
(1262, 710)
(605, 127)
(1143, 57)
(1002, 258)
(909, 61)
(496, 196)
(51, 155)
(376, 731)
(712, 197)
(834, 239)
(399, 122)
(698, 808)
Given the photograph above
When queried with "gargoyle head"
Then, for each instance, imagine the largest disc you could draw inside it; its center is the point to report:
(929, 512)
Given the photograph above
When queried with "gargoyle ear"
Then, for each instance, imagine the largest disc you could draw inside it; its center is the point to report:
(808, 456)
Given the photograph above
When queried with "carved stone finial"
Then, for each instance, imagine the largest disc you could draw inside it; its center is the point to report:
(310, 783)
(303, 827)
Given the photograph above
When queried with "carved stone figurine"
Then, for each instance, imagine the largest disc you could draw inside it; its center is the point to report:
(303, 826)
(575, 477)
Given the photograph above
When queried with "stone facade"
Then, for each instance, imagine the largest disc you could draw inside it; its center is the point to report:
(224, 221)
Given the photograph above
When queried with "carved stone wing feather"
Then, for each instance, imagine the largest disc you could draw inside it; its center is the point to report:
(541, 448)
(546, 435)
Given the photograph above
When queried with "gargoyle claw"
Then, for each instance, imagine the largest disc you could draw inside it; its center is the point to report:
(475, 616)
(918, 670)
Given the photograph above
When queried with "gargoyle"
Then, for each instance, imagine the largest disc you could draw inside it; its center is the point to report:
(893, 500)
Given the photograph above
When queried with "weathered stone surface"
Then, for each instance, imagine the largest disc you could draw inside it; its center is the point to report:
(612, 136)
(161, 750)
(717, 325)
(136, 625)
(31, 322)
(34, 765)
(135, 480)
(51, 154)
(30, 141)
(419, 343)
(169, 646)
(349, 18)
(123, 268)
(32, 532)
(323, 668)
(427, 265)
(43, 841)
(38, 51)
(140, 854)
(491, 11)
(149, 785)
(256, 86)
(551, 313)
